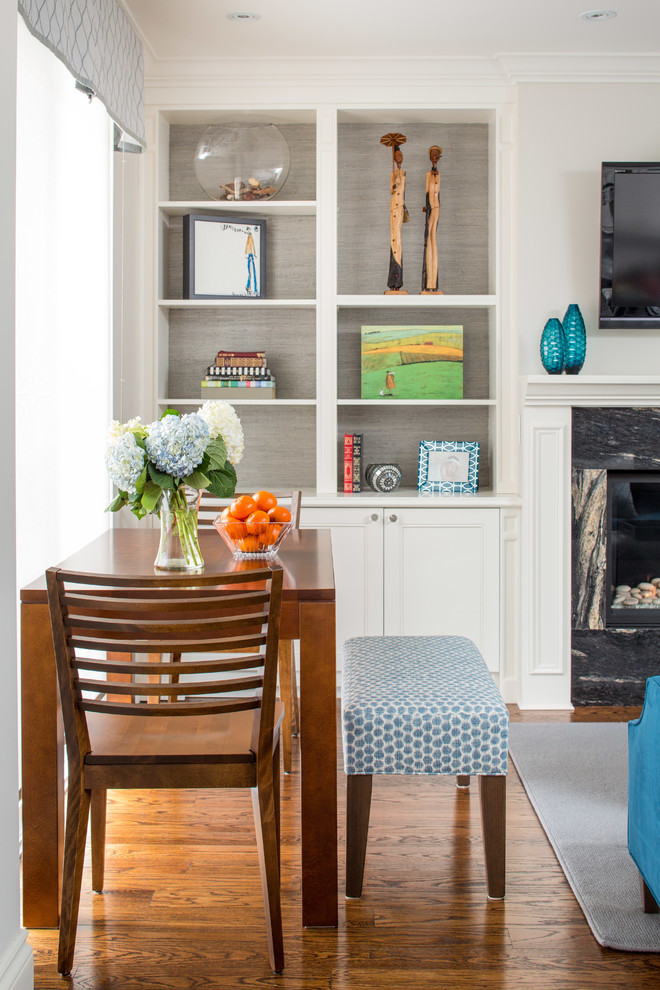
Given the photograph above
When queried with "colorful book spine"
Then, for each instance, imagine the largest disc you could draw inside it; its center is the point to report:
(232, 383)
(357, 463)
(236, 359)
(240, 371)
(348, 462)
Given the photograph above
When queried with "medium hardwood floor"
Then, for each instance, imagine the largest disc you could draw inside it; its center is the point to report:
(182, 906)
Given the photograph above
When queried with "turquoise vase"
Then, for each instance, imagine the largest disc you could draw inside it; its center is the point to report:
(552, 347)
(575, 340)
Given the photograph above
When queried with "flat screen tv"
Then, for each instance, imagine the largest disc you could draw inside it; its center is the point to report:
(630, 246)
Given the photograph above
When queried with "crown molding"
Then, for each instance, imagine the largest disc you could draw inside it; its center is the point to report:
(580, 67)
(307, 81)
(386, 80)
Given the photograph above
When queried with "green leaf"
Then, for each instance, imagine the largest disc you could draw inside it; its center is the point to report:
(160, 478)
(116, 503)
(142, 480)
(150, 497)
(196, 480)
(216, 452)
(170, 412)
(222, 483)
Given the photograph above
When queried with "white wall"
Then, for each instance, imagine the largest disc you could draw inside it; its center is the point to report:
(16, 971)
(565, 132)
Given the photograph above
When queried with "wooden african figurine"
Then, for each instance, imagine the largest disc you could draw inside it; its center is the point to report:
(432, 211)
(398, 213)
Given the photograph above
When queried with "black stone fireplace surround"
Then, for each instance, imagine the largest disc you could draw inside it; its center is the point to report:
(609, 666)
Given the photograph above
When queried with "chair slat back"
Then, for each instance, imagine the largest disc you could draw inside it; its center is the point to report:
(100, 621)
(210, 507)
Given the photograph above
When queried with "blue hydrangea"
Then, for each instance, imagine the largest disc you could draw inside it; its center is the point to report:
(176, 444)
(125, 463)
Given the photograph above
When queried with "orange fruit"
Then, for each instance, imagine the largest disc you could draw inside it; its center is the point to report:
(271, 534)
(242, 506)
(226, 515)
(280, 514)
(249, 544)
(234, 528)
(255, 522)
(265, 500)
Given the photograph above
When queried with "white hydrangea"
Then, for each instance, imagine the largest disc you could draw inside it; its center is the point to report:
(125, 462)
(117, 429)
(222, 421)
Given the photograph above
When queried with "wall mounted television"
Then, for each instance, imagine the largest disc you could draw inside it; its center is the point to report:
(630, 246)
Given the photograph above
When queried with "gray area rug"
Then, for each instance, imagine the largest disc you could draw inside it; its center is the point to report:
(576, 777)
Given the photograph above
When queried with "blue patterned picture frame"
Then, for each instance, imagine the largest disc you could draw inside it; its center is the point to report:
(448, 467)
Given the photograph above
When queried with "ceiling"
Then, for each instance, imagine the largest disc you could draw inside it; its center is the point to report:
(183, 29)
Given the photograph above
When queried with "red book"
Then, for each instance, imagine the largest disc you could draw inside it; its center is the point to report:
(348, 462)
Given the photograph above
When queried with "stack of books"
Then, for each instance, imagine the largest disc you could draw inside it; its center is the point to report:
(352, 462)
(244, 373)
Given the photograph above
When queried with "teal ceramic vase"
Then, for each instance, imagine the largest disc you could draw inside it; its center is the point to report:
(552, 347)
(575, 340)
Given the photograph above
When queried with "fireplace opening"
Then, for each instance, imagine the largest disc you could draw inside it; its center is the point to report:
(633, 549)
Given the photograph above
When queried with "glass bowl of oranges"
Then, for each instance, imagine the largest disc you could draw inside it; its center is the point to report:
(254, 525)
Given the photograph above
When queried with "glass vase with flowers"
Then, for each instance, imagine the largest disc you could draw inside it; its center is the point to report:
(163, 468)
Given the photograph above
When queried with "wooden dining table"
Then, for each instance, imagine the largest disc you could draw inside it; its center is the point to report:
(308, 615)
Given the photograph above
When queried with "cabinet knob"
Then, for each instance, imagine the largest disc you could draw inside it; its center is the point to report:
(393, 518)
(374, 517)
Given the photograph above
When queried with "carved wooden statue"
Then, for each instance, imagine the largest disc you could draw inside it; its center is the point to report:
(432, 210)
(398, 212)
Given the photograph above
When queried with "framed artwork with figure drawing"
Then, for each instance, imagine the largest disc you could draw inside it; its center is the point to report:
(448, 467)
(223, 258)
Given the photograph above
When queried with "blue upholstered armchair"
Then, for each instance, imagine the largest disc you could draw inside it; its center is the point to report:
(644, 794)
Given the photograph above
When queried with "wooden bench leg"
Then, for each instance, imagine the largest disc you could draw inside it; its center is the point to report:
(358, 806)
(492, 794)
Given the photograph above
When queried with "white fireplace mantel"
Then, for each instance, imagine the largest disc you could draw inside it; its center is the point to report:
(547, 402)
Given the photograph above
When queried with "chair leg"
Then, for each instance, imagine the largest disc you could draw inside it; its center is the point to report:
(463, 780)
(264, 804)
(285, 653)
(358, 806)
(492, 794)
(649, 903)
(77, 817)
(295, 707)
(98, 818)
(276, 802)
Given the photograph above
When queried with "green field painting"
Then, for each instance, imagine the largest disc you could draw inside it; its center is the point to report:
(408, 362)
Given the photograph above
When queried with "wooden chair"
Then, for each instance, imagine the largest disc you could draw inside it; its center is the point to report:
(209, 508)
(223, 729)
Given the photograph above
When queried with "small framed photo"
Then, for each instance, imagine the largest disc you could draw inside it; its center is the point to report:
(449, 467)
(223, 257)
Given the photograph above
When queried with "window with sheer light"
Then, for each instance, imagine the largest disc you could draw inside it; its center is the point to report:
(63, 311)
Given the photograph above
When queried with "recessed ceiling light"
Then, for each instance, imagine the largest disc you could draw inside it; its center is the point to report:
(243, 15)
(598, 15)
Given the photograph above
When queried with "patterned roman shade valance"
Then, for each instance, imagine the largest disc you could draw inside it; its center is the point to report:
(98, 45)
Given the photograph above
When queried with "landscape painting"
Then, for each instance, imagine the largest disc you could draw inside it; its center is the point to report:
(412, 362)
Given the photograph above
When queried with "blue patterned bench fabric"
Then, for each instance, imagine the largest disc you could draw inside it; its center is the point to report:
(421, 704)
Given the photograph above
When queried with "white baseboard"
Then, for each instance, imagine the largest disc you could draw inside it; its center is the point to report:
(17, 965)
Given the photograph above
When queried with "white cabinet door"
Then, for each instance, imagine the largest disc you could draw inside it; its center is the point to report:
(357, 551)
(442, 575)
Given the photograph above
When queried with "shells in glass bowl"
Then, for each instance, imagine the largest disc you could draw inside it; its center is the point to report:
(245, 161)
(251, 540)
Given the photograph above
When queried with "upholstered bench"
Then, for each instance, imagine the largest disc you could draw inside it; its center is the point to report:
(643, 790)
(422, 705)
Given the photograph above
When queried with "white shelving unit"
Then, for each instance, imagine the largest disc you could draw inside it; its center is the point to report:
(327, 242)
